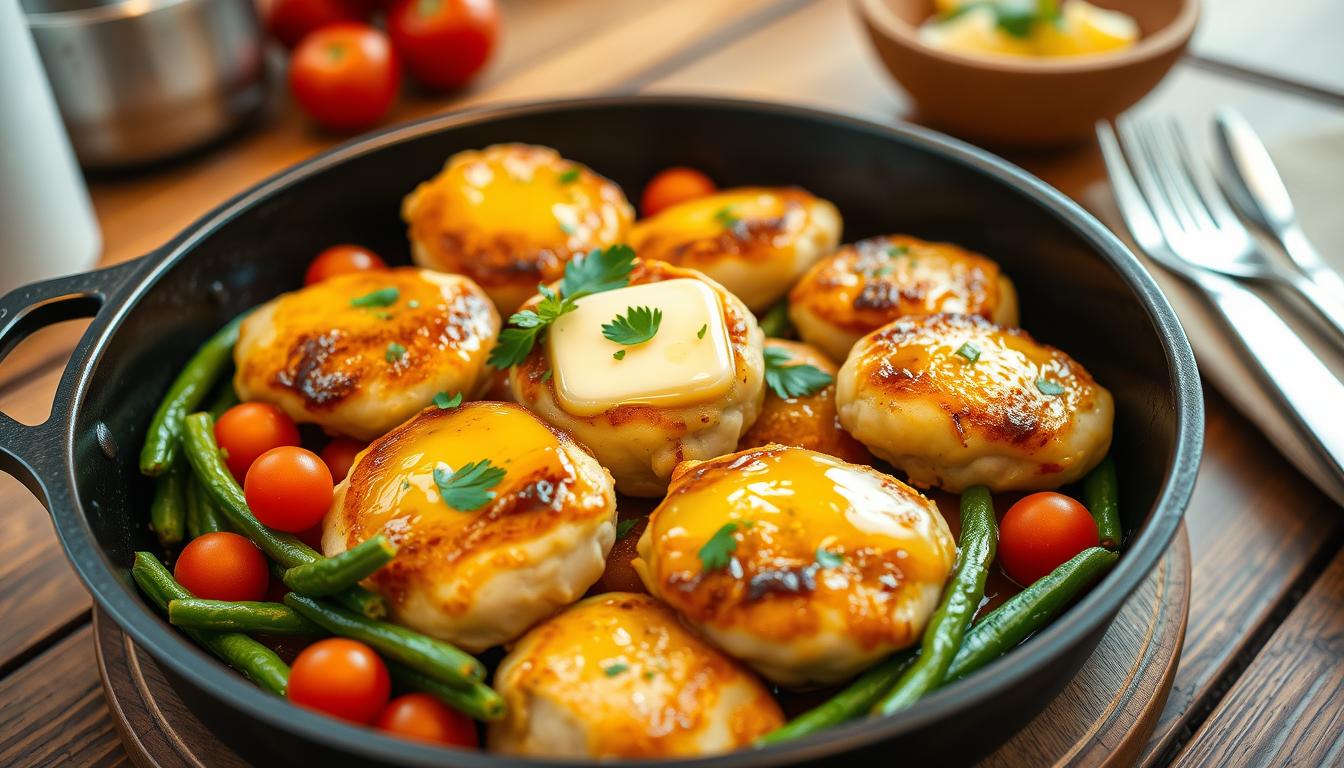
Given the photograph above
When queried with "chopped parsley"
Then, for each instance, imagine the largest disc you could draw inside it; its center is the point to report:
(383, 297)
(969, 351)
(636, 326)
(597, 272)
(394, 352)
(468, 488)
(719, 549)
(897, 250)
(618, 354)
(615, 669)
(569, 177)
(625, 526)
(1049, 388)
(445, 402)
(413, 303)
(828, 559)
(545, 377)
(792, 380)
(725, 217)
(700, 334)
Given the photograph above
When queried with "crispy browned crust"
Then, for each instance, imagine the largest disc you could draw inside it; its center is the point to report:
(751, 239)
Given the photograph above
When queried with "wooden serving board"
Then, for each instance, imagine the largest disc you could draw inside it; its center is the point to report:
(1103, 718)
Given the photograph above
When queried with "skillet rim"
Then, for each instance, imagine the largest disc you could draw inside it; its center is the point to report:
(115, 595)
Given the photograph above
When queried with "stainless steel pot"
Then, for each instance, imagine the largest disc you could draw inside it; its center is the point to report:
(142, 80)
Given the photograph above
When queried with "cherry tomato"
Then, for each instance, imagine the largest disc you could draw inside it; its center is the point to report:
(339, 456)
(421, 716)
(345, 76)
(1041, 532)
(341, 259)
(290, 20)
(222, 566)
(672, 186)
(341, 677)
(248, 430)
(288, 489)
(444, 43)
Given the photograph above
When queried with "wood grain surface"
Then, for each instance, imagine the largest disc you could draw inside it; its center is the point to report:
(1260, 536)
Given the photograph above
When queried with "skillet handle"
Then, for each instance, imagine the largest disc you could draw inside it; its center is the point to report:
(33, 454)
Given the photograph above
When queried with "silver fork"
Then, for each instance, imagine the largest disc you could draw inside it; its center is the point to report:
(1157, 217)
(1203, 225)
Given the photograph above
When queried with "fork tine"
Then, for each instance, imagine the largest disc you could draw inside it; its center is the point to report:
(1141, 161)
(1133, 208)
(1204, 181)
(1175, 178)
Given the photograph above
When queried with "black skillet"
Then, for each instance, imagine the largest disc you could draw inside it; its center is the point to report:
(1080, 290)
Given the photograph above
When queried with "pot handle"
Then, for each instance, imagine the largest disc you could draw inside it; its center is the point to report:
(31, 454)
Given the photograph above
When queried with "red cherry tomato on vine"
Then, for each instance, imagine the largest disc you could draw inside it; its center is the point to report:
(423, 717)
(248, 430)
(340, 260)
(288, 489)
(339, 456)
(345, 76)
(1041, 532)
(443, 43)
(672, 186)
(222, 566)
(291, 20)
(341, 677)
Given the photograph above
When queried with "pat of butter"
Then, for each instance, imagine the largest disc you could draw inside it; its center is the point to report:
(676, 367)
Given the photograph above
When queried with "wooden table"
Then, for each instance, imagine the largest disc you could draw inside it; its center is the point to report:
(1261, 676)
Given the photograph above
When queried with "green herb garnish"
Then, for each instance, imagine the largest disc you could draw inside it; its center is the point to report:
(636, 326)
(383, 297)
(968, 351)
(445, 402)
(468, 488)
(625, 526)
(894, 251)
(613, 670)
(597, 272)
(413, 303)
(828, 559)
(700, 334)
(775, 322)
(618, 354)
(718, 551)
(569, 177)
(725, 217)
(792, 380)
(394, 352)
(1049, 388)
(545, 377)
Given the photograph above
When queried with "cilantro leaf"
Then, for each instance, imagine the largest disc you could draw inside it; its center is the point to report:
(624, 527)
(615, 669)
(969, 352)
(445, 402)
(725, 217)
(1049, 388)
(468, 488)
(700, 334)
(569, 177)
(719, 549)
(828, 559)
(394, 352)
(636, 326)
(383, 297)
(512, 347)
(598, 271)
(618, 354)
(792, 380)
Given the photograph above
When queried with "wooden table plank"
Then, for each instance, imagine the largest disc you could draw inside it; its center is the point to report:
(54, 712)
(1288, 707)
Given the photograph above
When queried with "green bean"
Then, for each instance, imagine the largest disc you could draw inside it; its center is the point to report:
(202, 452)
(961, 599)
(775, 323)
(855, 700)
(1101, 493)
(435, 658)
(478, 700)
(186, 393)
(168, 508)
(1008, 625)
(330, 575)
(254, 660)
(202, 514)
(242, 616)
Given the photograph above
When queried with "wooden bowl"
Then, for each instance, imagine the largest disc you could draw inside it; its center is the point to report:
(1026, 101)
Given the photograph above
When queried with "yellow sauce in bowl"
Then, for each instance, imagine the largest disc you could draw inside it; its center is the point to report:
(1030, 28)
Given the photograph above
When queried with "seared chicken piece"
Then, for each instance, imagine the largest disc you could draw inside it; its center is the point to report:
(755, 241)
(689, 392)
(358, 354)
(806, 421)
(477, 577)
(617, 676)
(509, 216)
(804, 566)
(956, 401)
(868, 284)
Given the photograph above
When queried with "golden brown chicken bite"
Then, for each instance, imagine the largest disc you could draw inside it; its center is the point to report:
(866, 285)
(956, 401)
(477, 576)
(509, 216)
(617, 676)
(803, 566)
(755, 241)
(805, 421)
(688, 392)
(357, 354)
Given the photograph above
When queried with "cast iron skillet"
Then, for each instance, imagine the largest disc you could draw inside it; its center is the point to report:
(1080, 289)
